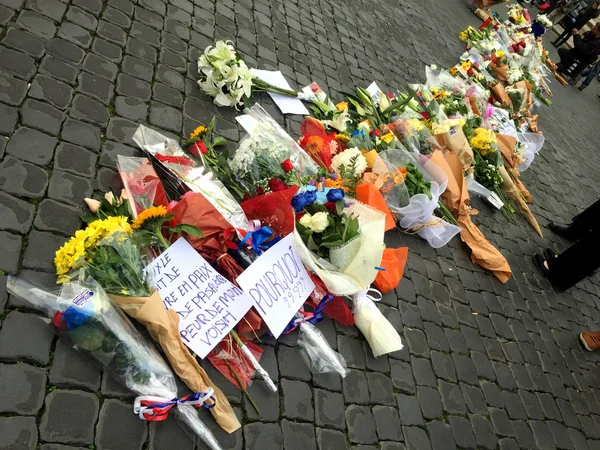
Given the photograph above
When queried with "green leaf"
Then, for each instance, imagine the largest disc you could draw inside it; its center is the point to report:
(186, 228)
(211, 125)
(219, 141)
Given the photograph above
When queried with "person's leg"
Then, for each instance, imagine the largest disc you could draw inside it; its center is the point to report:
(588, 219)
(567, 57)
(561, 39)
(589, 76)
(576, 263)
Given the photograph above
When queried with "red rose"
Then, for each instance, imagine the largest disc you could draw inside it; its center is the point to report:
(275, 184)
(391, 96)
(375, 132)
(287, 166)
(470, 72)
(491, 100)
(198, 148)
(425, 115)
(330, 207)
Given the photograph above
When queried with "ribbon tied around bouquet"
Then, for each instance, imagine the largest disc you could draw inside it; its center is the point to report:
(361, 300)
(312, 317)
(156, 409)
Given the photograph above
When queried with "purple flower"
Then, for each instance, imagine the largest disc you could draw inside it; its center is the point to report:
(312, 183)
(333, 176)
(322, 180)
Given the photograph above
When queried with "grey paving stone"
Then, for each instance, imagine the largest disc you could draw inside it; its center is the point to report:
(381, 389)
(549, 407)
(69, 417)
(327, 439)
(167, 95)
(119, 429)
(542, 434)
(107, 50)
(16, 214)
(297, 400)
(58, 69)
(96, 87)
(416, 438)
(267, 402)
(560, 434)
(167, 434)
(25, 337)
(452, 399)
(465, 369)
(501, 422)
(329, 409)
(166, 117)
(141, 49)
(82, 18)
(75, 159)
(416, 341)
(441, 435)
(443, 366)
(298, 436)
(291, 364)
(12, 90)
(170, 77)
(32, 146)
(17, 63)
(36, 23)
(430, 401)
(111, 33)
(145, 33)
(116, 17)
(65, 50)
(72, 369)
(81, 133)
(18, 433)
(50, 90)
(24, 41)
(361, 425)
(138, 68)
(22, 390)
(40, 250)
(463, 432)
(355, 387)
(409, 409)
(51, 8)
(69, 188)
(41, 116)
(474, 399)
(263, 435)
(388, 423)
(110, 151)
(89, 110)
(353, 352)
(75, 34)
(402, 377)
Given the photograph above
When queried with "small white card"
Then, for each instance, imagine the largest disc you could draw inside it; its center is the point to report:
(374, 91)
(247, 122)
(287, 105)
(208, 304)
(278, 284)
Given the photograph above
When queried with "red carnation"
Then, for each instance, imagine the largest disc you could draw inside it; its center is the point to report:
(275, 184)
(375, 132)
(287, 166)
(390, 96)
(198, 148)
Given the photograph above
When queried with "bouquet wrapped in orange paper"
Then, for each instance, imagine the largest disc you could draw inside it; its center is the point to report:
(457, 200)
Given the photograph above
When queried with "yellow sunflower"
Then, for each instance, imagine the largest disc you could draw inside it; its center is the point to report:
(154, 212)
(198, 131)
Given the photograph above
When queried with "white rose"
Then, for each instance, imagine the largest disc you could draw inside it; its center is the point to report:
(320, 221)
(306, 220)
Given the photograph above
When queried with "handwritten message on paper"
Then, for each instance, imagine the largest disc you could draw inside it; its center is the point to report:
(208, 304)
(278, 284)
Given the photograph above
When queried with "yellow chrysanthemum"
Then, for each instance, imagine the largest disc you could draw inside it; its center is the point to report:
(484, 141)
(148, 214)
(342, 137)
(198, 131)
(72, 254)
(342, 106)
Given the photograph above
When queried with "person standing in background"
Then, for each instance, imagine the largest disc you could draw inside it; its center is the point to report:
(580, 21)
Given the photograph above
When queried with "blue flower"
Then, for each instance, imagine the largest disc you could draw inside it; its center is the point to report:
(304, 199)
(358, 133)
(335, 195)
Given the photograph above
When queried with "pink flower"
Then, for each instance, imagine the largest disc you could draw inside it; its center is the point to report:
(94, 205)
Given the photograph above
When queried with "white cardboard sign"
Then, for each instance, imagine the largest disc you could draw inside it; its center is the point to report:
(278, 284)
(287, 105)
(208, 304)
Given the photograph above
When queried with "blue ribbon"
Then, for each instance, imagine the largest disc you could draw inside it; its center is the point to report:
(75, 317)
(259, 240)
(315, 317)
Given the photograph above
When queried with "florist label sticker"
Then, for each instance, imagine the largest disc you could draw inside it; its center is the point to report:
(278, 283)
(208, 304)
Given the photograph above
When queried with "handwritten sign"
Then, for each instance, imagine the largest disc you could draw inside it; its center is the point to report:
(208, 304)
(278, 283)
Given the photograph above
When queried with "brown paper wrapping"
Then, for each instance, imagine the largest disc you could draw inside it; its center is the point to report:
(532, 122)
(501, 95)
(473, 104)
(484, 3)
(482, 14)
(529, 94)
(456, 199)
(163, 326)
(501, 71)
(515, 195)
(507, 146)
(457, 142)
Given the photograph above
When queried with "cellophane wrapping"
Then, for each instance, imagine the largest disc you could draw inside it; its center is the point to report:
(417, 213)
(353, 266)
(317, 353)
(84, 315)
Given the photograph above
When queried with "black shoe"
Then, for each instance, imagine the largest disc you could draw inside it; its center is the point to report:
(581, 88)
(549, 254)
(563, 230)
(539, 261)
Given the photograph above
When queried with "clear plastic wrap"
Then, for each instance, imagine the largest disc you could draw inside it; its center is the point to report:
(84, 315)
(199, 179)
(417, 212)
(532, 144)
(413, 133)
(317, 353)
(141, 183)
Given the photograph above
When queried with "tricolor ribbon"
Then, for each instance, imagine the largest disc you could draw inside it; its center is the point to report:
(156, 409)
(259, 240)
(313, 317)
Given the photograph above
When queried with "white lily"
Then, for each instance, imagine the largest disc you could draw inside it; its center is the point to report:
(340, 122)
(222, 50)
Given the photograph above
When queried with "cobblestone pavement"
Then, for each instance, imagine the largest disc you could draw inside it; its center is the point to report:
(76, 77)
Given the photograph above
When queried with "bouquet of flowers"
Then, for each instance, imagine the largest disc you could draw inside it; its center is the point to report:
(224, 75)
(540, 25)
(84, 315)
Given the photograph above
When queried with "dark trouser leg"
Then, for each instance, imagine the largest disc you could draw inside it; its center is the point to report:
(590, 75)
(577, 262)
(567, 58)
(587, 220)
(562, 38)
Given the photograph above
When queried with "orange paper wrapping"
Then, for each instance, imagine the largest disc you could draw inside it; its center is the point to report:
(393, 261)
(501, 71)
(473, 104)
(511, 161)
(457, 143)
(501, 95)
(368, 194)
(456, 198)
(515, 195)
(163, 326)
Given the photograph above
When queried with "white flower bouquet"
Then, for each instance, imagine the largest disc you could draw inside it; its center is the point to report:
(224, 75)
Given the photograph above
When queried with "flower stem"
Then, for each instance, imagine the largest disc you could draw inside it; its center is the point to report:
(250, 399)
(261, 85)
(161, 239)
(446, 213)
